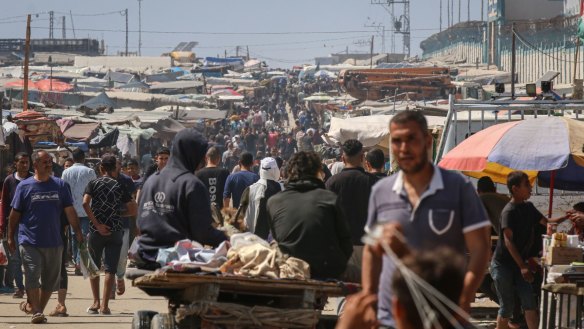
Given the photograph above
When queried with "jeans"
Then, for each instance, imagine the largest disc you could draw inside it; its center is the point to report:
(13, 271)
(508, 279)
(84, 225)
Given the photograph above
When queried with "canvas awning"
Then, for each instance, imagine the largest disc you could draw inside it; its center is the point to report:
(81, 131)
(370, 130)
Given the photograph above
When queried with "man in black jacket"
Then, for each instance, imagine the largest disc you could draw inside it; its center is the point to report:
(174, 204)
(353, 187)
(307, 222)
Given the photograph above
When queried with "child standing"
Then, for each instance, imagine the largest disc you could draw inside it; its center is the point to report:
(509, 269)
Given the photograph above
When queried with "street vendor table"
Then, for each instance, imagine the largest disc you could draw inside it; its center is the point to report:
(227, 301)
(561, 299)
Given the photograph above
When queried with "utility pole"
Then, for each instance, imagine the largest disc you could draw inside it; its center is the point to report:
(468, 10)
(448, 13)
(513, 61)
(452, 13)
(247, 52)
(371, 52)
(126, 14)
(440, 15)
(26, 53)
(51, 22)
(139, 27)
(236, 51)
(482, 10)
(64, 29)
(459, 5)
(72, 25)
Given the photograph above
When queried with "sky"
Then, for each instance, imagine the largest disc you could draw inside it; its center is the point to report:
(283, 33)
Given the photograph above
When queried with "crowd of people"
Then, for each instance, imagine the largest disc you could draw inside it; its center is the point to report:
(262, 164)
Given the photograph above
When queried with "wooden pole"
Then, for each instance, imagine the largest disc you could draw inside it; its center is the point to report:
(26, 53)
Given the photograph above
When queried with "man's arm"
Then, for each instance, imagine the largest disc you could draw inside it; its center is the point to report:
(227, 192)
(101, 228)
(5, 209)
(508, 236)
(131, 209)
(370, 270)
(13, 221)
(479, 250)
(74, 222)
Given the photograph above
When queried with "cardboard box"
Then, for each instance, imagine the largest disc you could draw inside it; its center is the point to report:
(563, 255)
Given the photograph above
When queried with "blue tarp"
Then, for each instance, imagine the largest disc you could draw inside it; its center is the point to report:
(81, 145)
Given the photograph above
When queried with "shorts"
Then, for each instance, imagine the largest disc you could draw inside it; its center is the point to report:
(42, 264)
(508, 282)
(111, 244)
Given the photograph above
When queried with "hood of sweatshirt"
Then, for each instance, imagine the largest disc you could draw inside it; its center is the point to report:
(188, 151)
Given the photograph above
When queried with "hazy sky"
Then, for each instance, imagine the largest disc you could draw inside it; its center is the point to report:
(237, 22)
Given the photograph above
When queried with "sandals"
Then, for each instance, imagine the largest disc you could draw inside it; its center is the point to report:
(92, 310)
(60, 312)
(26, 307)
(38, 318)
(19, 293)
(105, 311)
(120, 287)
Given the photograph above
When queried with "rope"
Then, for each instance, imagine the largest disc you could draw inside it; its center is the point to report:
(257, 316)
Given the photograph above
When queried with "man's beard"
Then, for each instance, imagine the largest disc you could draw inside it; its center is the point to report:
(419, 166)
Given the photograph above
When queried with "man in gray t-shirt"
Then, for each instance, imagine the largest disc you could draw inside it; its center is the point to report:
(430, 207)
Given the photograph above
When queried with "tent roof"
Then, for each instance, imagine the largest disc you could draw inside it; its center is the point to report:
(100, 101)
(82, 131)
(370, 130)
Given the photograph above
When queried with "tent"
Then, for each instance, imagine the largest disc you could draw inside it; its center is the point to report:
(135, 86)
(98, 103)
(370, 130)
(81, 131)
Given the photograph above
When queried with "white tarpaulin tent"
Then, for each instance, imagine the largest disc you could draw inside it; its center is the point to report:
(370, 130)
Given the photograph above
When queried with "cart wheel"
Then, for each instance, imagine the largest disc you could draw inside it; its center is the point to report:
(162, 321)
(142, 319)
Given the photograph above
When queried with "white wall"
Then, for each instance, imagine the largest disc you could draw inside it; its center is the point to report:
(533, 9)
(571, 7)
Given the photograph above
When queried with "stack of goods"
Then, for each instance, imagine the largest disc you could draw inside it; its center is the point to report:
(562, 249)
(253, 257)
(189, 255)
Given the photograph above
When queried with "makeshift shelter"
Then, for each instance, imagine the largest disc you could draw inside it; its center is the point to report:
(108, 139)
(167, 128)
(119, 78)
(370, 130)
(79, 131)
(135, 86)
(98, 104)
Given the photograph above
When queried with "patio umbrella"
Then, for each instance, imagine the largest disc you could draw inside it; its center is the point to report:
(550, 149)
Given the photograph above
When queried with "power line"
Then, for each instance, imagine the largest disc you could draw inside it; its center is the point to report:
(256, 45)
(119, 12)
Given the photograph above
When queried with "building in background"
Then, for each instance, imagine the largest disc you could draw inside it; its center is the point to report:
(546, 39)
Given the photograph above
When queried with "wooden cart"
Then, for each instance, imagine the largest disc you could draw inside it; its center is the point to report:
(218, 301)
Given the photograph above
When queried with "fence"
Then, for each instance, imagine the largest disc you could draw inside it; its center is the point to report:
(542, 46)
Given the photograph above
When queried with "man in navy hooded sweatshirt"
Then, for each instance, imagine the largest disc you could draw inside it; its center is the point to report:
(174, 204)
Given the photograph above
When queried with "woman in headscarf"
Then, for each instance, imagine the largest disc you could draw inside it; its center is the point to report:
(255, 198)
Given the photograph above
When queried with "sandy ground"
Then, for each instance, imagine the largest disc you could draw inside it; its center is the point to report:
(78, 299)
